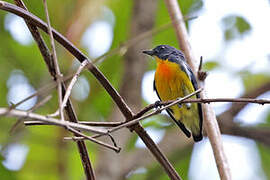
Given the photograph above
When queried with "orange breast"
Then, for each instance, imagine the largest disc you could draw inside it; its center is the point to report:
(167, 81)
(164, 70)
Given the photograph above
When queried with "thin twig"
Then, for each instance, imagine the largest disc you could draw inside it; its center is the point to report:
(72, 83)
(134, 121)
(115, 148)
(55, 61)
(25, 114)
(36, 106)
(208, 100)
(42, 90)
(88, 123)
(210, 122)
(163, 103)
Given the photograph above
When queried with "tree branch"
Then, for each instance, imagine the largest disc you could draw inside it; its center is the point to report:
(24, 114)
(55, 62)
(72, 83)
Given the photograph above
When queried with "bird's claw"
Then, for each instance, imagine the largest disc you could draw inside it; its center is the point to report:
(158, 104)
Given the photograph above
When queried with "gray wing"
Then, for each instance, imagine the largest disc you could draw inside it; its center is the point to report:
(185, 68)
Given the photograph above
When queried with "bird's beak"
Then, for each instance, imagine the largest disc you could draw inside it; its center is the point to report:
(149, 52)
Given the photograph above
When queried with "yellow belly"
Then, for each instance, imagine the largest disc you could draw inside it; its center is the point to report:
(172, 83)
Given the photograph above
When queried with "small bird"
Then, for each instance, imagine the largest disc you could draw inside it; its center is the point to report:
(174, 79)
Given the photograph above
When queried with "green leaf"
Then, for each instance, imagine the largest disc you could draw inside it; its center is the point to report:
(265, 159)
(242, 25)
(7, 174)
(210, 65)
(253, 80)
(234, 27)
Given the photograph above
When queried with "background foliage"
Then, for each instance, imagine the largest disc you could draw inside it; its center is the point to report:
(47, 156)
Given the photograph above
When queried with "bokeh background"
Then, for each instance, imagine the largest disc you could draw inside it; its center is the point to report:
(233, 38)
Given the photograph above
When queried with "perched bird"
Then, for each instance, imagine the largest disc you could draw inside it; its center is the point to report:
(174, 79)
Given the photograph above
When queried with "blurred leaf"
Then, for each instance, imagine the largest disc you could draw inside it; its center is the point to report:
(131, 143)
(235, 26)
(242, 25)
(190, 6)
(229, 34)
(6, 174)
(265, 159)
(252, 80)
(210, 65)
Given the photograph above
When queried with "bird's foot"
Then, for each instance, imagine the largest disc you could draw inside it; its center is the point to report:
(158, 104)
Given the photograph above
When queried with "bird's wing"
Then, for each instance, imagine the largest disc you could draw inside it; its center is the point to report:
(170, 112)
(185, 68)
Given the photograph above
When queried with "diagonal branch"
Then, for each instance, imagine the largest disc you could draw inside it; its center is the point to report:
(78, 133)
(55, 62)
(72, 83)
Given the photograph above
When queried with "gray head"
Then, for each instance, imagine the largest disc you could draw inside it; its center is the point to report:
(163, 52)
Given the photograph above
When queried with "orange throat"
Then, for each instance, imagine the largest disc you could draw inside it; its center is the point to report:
(164, 69)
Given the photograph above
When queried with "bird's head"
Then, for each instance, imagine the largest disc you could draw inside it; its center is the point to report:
(163, 52)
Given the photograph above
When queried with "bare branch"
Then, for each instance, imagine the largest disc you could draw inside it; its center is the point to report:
(72, 83)
(36, 106)
(116, 149)
(88, 123)
(55, 61)
(134, 121)
(25, 114)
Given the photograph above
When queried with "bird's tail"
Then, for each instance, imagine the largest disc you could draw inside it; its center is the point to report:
(197, 137)
(196, 133)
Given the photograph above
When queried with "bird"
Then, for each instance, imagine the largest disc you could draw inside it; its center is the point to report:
(174, 79)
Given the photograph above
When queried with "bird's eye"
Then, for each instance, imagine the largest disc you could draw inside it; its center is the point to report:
(162, 47)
